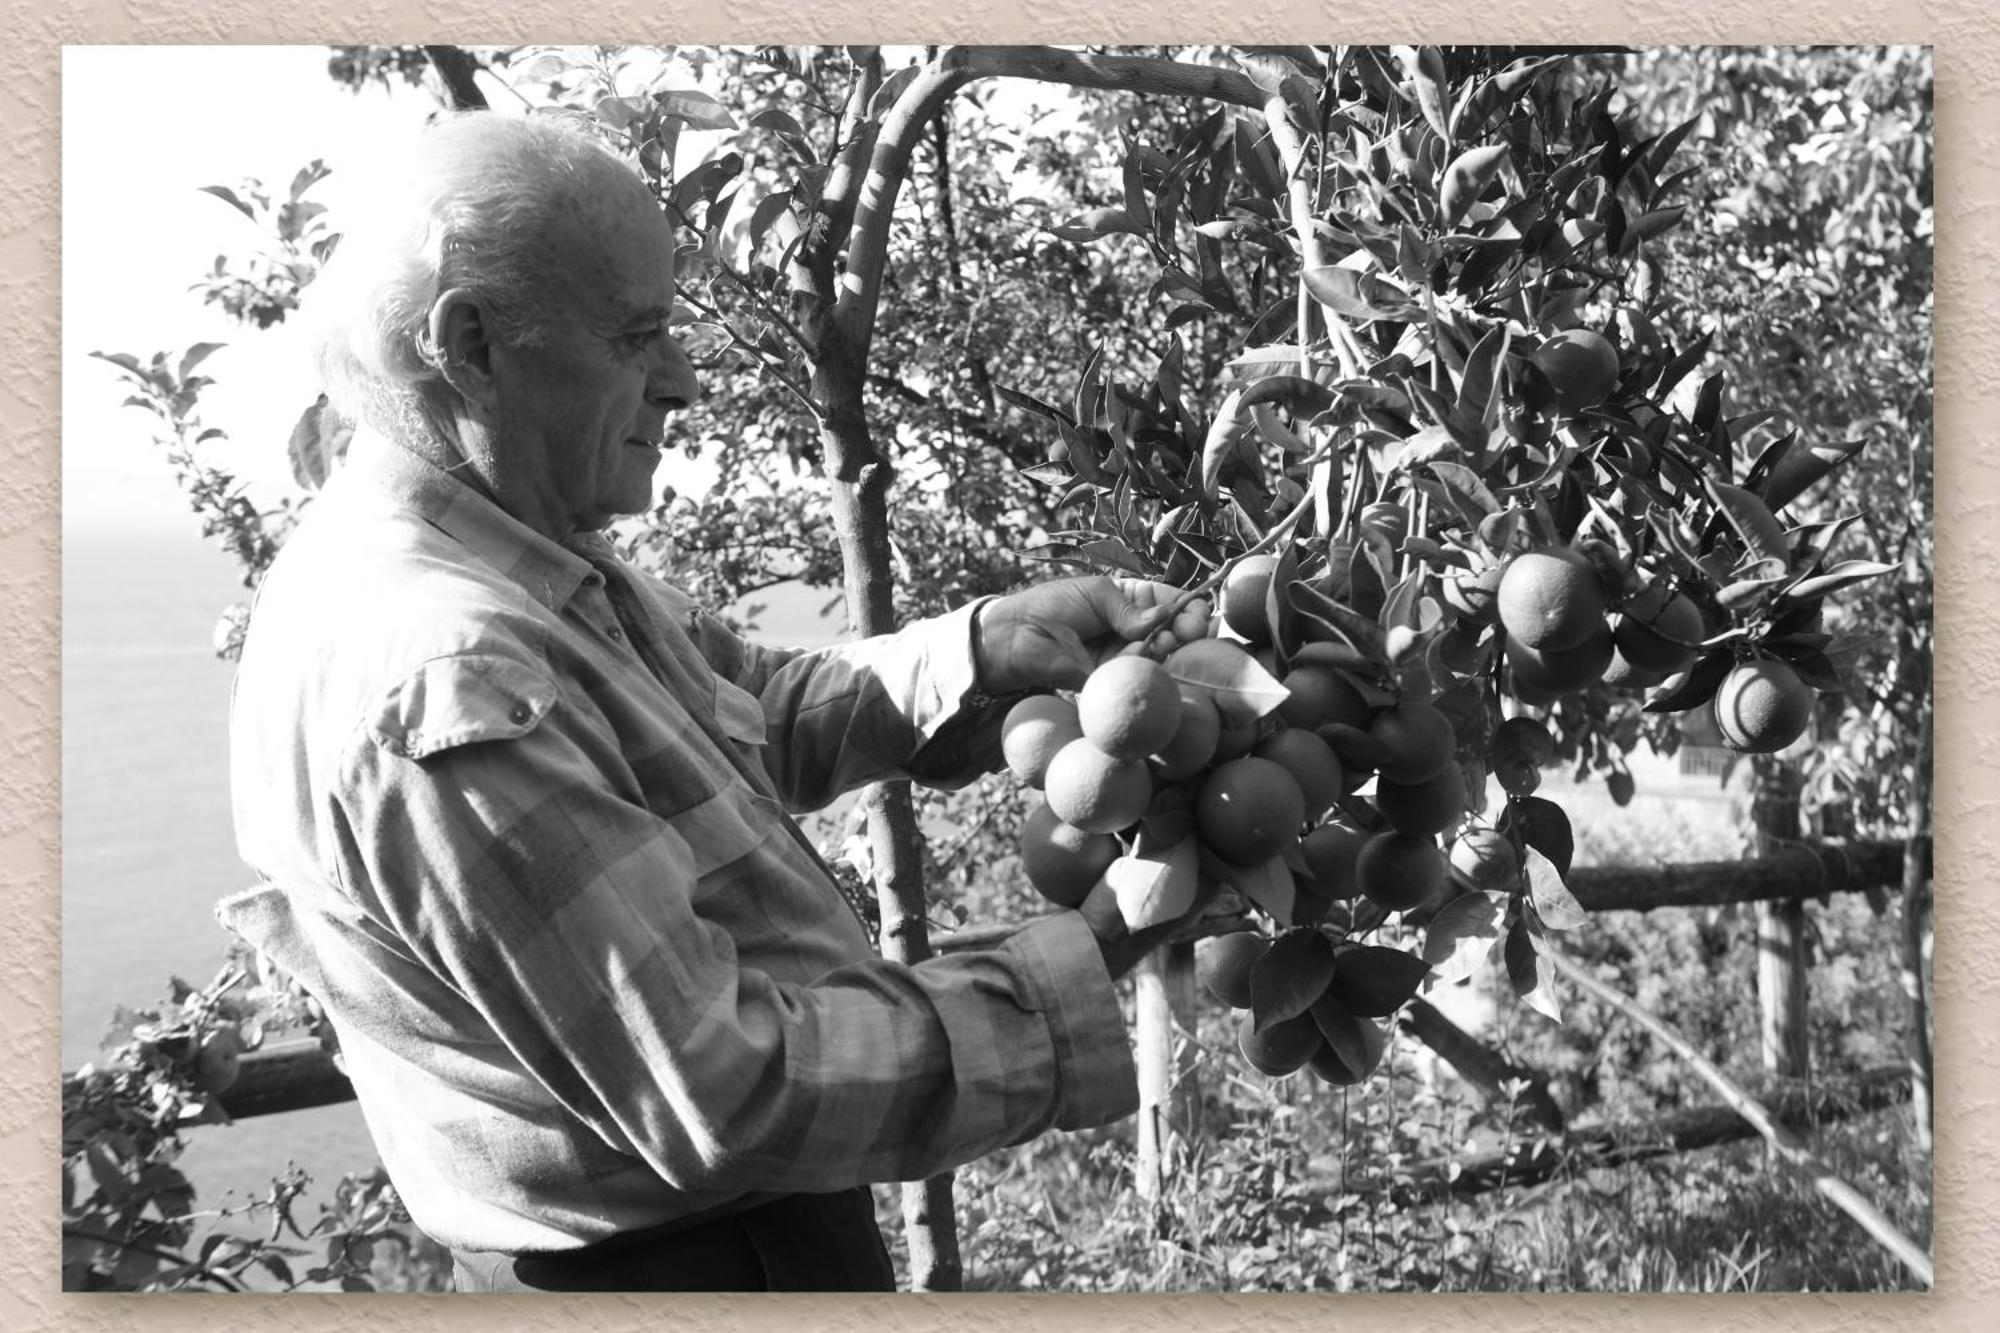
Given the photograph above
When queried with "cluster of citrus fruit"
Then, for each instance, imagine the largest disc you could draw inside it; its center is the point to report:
(1561, 635)
(1161, 773)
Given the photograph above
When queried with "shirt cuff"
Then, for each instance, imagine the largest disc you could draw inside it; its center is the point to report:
(1096, 1079)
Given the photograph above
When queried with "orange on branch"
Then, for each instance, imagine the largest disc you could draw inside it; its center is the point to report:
(1129, 707)
(1249, 811)
(1400, 871)
(1762, 706)
(1063, 862)
(1035, 729)
(1091, 790)
(1550, 598)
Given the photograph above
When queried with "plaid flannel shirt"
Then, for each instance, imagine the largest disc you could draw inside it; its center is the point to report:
(520, 817)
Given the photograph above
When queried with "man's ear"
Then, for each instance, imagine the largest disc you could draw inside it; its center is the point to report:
(460, 336)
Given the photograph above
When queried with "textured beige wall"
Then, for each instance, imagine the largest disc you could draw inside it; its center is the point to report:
(1968, 385)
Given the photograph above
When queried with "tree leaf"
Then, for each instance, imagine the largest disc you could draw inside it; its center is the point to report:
(317, 442)
(1554, 903)
(1227, 674)
(228, 196)
(1359, 295)
(779, 121)
(1544, 827)
(1269, 884)
(1803, 467)
(1694, 687)
(1289, 976)
(1676, 370)
(1354, 1041)
(194, 356)
(1467, 491)
(891, 89)
(1359, 631)
(1532, 977)
(1374, 981)
(1464, 934)
(695, 108)
(1466, 179)
(1843, 575)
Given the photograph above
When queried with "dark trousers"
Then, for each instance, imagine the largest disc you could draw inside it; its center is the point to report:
(804, 1242)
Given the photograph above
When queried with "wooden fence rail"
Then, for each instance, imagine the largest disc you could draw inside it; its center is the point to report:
(1543, 1157)
(299, 1075)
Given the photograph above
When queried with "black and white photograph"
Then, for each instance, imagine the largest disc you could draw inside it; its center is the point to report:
(997, 668)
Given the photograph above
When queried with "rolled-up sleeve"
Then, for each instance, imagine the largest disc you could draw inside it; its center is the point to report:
(572, 918)
(896, 705)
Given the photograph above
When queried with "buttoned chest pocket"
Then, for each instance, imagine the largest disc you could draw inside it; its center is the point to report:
(459, 700)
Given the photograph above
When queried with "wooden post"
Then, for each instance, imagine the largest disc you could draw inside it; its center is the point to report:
(1916, 936)
(1169, 1095)
(1781, 937)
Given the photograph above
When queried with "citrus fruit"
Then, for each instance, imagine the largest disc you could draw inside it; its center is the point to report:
(1660, 635)
(1090, 790)
(1400, 871)
(1236, 739)
(1311, 762)
(1416, 739)
(1320, 695)
(1559, 671)
(1129, 707)
(1193, 744)
(1581, 367)
(1244, 590)
(1620, 674)
(1062, 861)
(1550, 598)
(1430, 806)
(1035, 729)
(1487, 858)
(1249, 811)
(1282, 1048)
(1331, 851)
(1222, 965)
(1762, 706)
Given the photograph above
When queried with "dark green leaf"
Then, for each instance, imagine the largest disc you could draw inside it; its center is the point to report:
(1359, 295)
(1694, 687)
(1375, 981)
(1289, 976)
(1544, 826)
(1463, 935)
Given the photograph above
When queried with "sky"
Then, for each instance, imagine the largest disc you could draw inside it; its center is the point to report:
(144, 128)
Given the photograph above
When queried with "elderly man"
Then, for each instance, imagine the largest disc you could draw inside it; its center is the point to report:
(520, 812)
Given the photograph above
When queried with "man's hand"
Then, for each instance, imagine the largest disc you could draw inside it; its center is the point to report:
(1053, 634)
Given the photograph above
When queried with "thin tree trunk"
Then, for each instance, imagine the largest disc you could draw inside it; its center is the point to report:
(1781, 935)
(1169, 1088)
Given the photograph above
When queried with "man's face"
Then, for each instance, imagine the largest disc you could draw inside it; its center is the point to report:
(578, 420)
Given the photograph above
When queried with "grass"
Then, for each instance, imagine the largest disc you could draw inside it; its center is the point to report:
(1256, 1202)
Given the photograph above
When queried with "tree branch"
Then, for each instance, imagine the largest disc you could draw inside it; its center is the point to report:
(455, 68)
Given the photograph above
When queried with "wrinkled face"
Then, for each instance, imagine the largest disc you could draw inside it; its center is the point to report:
(578, 420)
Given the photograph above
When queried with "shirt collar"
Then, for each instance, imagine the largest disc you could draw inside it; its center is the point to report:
(549, 571)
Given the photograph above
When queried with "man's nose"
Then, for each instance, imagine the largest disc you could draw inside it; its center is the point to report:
(673, 383)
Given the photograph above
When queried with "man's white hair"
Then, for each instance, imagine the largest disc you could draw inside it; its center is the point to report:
(470, 205)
